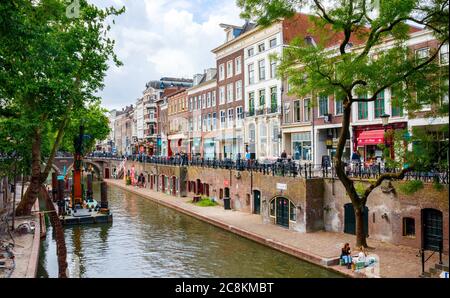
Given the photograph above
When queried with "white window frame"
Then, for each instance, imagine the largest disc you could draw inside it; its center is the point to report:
(238, 90)
(229, 92)
(270, 42)
(251, 79)
(229, 69)
(263, 44)
(213, 99)
(221, 72)
(238, 65)
(441, 53)
(230, 115)
(222, 95)
(223, 115)
(259, 69)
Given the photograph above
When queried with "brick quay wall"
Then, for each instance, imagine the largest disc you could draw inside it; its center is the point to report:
(320, 204)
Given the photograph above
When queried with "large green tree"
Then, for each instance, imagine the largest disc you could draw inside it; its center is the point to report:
(357, 69)
(51, 66)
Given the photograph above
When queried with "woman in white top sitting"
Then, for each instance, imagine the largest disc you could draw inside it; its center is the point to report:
(363, 258)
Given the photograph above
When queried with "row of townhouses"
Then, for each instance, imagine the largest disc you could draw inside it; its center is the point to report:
(240, 107)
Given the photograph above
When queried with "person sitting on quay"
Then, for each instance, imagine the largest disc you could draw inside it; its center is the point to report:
(362, 258)
(346, 256)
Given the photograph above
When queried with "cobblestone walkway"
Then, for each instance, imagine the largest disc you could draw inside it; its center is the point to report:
(319, 247)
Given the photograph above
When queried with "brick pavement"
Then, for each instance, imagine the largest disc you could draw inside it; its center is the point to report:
(321, 248)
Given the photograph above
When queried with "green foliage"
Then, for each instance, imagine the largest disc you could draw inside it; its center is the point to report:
(96, 126)
(360, 188)
(206, 202)
(438, 186)
(411, 187)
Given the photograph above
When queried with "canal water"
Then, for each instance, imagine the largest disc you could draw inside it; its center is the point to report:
(150, 240)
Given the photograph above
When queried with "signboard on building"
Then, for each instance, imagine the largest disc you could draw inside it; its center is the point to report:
(281, 186)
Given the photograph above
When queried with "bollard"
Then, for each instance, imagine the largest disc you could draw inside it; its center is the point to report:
(104, 196)
(89, 186)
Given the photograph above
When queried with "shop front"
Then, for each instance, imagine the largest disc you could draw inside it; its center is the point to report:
(177, 144)
(326, 142)
(367, 140)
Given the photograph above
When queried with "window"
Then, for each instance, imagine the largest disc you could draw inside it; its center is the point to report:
(222, 119)
(222, 95)
(239, 116)
(208, 100)
(287, 110)
(238, 90)
(444, 54)
(229, 69)
(339, 107)
(379, 105)
(261, 47)
(292, 212)
(262, 98)
(262, 70)
(240, 113)
(306, 110)
(191, 125)
(230, 92)
(272, 208)
(221, 72)
(273, 42)
(208, 124)
(204, 101)
(263, 139)
(301, 145)
(199, 122)
(363, 108)
(250, 52)
(422, 53)
(275, 140)
(396, 104)
(297, 111)
(323, 105)
(230, 117)
(213, 99)
(251, 73)
(273, 69)
(273, 100)
(409, 227)
(199, 103)
(238, 66)
(251, 103)
(214, 121)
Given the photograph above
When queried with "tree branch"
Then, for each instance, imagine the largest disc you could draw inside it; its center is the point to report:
(324, 13)
(387, 176)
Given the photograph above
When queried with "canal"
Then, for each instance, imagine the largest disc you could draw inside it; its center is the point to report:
(150, 240)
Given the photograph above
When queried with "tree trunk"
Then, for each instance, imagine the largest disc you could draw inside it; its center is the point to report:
(360, 235)
(25, 206)
(358, 203)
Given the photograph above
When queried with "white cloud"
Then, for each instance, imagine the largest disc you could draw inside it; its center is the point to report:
(156, 38)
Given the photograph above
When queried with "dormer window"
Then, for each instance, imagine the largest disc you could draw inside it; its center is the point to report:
(309, 40)
(229, 35)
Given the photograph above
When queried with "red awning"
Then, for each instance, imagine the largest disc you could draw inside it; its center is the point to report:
(371, 137)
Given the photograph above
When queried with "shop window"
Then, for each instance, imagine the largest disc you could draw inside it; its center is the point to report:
(292, 212)
(409, 228)
(272, 208)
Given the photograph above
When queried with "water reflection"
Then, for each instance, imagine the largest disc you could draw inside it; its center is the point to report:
(149, 240)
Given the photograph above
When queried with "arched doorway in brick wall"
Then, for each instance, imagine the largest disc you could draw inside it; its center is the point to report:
(283, 211)
(256, 202)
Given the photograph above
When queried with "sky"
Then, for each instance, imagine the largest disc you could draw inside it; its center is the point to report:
(158, 38)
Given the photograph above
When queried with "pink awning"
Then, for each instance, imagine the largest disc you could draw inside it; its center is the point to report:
(371, 137)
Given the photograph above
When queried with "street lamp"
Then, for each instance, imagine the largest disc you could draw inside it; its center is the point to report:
(385, 120)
